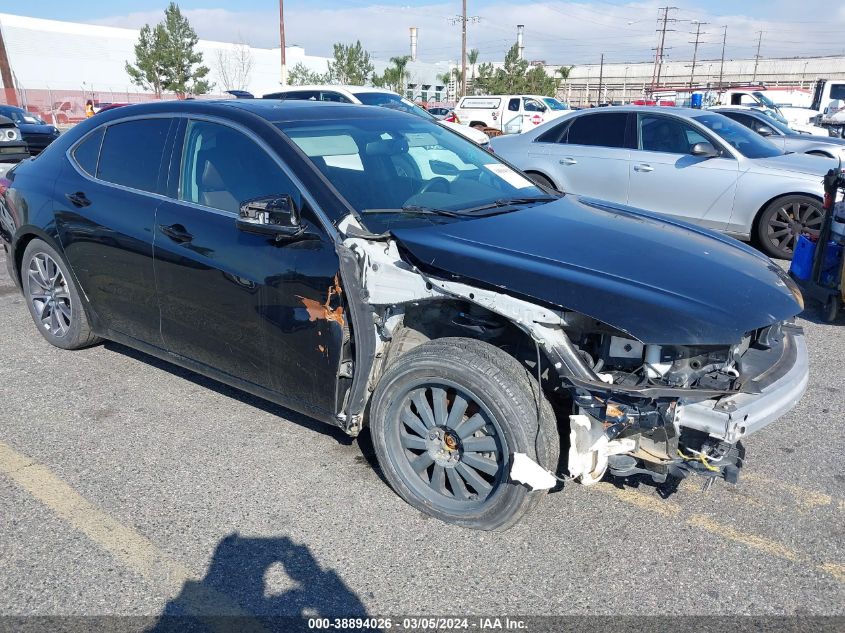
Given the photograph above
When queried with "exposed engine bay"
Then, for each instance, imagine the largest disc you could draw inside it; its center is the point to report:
(625, 407)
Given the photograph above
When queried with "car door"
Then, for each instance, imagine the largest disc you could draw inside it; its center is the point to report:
(242, 303)
(666, 178)
(107, 198)
(589, 156)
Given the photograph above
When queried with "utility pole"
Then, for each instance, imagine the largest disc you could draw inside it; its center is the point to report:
(463, 19)
(698, 35)
(722, 64)
(757, 56)
(284, 77)
(601, 75)
(661, 47)
(6, 75)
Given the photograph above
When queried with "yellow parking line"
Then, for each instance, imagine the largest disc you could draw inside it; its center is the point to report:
(669, 509)
(751, 540)
(131, 548)
(805, 499)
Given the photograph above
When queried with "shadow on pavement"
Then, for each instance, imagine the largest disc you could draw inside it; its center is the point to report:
(259, 584)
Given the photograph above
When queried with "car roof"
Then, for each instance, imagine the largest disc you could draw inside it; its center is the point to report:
(684, 112)
(272, 110)
(332, 87)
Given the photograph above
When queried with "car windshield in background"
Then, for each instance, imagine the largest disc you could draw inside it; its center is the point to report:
(400, 169)
(394, 102)
(748, 143)
(764, 99)
(20, 116)
(554, 104)
(783, 128)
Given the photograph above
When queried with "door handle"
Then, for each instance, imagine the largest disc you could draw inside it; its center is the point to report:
(177, 233)
(643, 167)
(568, 161)
(78, 199)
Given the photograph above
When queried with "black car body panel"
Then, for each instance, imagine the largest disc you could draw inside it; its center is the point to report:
(14, 149)
(662, 281)
(36, 135)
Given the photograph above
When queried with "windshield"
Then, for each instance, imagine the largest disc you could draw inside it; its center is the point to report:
(20, 116)
(748, 143)
(395, 102)
(554, 104)
(764, 99)
(775, 123)
(402, 170)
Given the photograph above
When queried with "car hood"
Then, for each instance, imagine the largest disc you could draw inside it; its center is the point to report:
(36, 128)
(661, 281)
(812, 167)
(466, 131)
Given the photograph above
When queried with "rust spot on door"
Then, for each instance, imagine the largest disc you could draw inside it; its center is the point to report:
(324, 311)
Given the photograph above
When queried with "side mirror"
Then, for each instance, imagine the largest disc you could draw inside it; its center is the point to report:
(270, 215)
(705, 150)
(763, 131)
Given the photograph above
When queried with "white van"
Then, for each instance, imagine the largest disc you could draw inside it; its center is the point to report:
(509, 113)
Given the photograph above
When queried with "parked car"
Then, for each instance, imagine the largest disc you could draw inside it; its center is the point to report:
(693, 164)
(509, 113)
(35, 132)
(784, 137)
(373, 97)
(12, 146)
(305, 253)
(439, 112)
(110, 106)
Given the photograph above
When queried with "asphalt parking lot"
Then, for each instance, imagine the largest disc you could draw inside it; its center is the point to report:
(129, 486)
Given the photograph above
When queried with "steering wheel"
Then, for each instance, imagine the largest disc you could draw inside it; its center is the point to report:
(439, 184)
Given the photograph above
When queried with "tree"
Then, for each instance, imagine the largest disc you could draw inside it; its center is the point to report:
(515, 77)
(351, 65)
(166, 59)
(472, 60)
(301, 75)
(234, 66)
(394, 77)
(149, 71)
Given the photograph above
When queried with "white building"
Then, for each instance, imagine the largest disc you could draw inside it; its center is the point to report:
(55, 62)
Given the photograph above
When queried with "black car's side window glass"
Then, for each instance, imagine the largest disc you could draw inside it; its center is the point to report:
(601, 130)
(222, 167)
(131, 153)
(86, 153)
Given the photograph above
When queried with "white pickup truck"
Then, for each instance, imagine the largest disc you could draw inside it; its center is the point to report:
(509, 113)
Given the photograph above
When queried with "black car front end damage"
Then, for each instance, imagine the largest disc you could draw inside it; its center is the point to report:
(659, 365)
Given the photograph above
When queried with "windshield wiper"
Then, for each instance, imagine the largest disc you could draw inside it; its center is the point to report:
(509, 202)
(415, 209)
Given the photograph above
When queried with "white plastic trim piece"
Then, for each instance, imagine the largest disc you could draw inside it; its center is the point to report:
(525, 470)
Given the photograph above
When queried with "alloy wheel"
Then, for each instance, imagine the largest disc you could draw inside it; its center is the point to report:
(789, 221)
(49, 295)
(451, 450)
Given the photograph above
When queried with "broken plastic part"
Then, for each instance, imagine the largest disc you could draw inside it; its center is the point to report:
(590, 447)
(525, 470)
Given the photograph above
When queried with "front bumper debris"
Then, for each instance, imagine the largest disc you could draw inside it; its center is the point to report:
(780, 388)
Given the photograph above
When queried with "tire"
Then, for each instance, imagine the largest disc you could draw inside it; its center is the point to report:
(830, 309)
(423, 448)
(780, 224)
(53, 299)
(541, 180)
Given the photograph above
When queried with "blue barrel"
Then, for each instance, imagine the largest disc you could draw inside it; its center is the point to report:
(696, 99)
(802, 258)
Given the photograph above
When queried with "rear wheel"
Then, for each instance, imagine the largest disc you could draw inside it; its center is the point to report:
(447, 418)
(784, 220)
(52, 298)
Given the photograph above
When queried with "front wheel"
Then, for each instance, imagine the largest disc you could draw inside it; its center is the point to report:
(447, 418)
(784, 220)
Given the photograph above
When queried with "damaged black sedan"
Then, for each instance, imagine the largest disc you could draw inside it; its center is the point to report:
(371, 269)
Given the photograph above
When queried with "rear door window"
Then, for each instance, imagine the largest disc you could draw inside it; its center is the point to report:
(131, 153)
(599, 130)
(86, 153)
(513, 105)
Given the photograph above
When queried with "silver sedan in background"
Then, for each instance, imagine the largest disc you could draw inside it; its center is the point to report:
(782, 135)
(695, 165)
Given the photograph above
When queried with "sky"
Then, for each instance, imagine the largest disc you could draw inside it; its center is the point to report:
(557, 32)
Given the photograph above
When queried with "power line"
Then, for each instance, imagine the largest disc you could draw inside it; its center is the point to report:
(463, 19)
